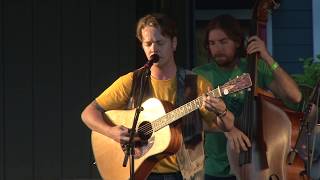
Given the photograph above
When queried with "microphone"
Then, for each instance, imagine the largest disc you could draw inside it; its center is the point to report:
(153, 59)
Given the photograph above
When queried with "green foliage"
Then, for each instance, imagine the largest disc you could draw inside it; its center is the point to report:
(311, 72)
(306, 81)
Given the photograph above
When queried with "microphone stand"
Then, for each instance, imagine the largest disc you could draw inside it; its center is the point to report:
(308, 115)
(129, 150)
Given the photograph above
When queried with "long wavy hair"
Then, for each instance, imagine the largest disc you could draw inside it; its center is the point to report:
(231, 27)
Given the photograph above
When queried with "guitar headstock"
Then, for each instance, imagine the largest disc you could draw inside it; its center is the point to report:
(237, 84)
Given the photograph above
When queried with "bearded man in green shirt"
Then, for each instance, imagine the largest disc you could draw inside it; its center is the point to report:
(224, 42)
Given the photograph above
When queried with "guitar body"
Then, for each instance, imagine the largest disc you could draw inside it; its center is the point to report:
(109, 155)
(269, 165)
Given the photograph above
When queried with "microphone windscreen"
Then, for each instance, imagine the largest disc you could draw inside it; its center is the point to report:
(154, 58)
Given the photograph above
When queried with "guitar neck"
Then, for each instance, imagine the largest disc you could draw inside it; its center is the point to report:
(182, 110)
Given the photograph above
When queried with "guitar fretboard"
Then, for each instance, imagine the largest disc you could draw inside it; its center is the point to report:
(182, 110)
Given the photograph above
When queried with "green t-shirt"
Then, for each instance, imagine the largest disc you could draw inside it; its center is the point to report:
(216, 160)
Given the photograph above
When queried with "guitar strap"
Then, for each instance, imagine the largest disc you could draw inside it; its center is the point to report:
(191, 124)
(136, 88)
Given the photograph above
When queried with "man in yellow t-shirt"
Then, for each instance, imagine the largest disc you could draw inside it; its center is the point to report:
(157, 34)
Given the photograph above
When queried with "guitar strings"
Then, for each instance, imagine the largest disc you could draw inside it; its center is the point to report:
(146, 128)
(172, 112)
(149, 130)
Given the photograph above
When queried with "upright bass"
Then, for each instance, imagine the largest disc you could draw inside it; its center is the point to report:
(266, 125)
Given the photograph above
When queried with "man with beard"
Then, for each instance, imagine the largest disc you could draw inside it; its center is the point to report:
(224, 42)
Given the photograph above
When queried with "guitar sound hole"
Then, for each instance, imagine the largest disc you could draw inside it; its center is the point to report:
(145, 130)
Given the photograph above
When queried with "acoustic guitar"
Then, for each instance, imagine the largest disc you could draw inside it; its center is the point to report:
(159, 140)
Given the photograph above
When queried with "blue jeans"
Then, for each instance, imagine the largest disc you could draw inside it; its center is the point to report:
(165, 176)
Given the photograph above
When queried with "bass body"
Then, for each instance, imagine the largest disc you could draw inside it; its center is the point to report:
(269, 163)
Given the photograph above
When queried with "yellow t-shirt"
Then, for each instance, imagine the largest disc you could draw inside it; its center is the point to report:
(117, 96)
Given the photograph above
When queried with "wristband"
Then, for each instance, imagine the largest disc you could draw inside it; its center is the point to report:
(274, 66)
